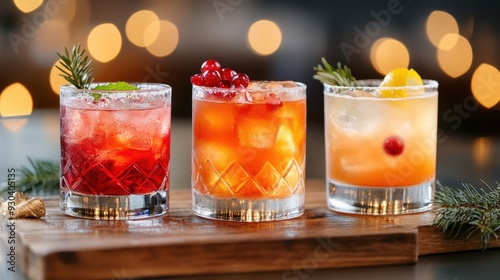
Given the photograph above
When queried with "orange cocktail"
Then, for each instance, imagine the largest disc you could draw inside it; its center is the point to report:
(249, 151)
(380, 150)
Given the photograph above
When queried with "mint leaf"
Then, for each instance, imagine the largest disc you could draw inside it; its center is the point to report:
(96, 96)
(116, 86)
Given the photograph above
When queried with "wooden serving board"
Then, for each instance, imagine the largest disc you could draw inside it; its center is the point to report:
(180, 243)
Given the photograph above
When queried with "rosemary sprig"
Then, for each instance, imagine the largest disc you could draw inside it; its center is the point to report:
(41, 178)
(340, 76)
(468, 211)
(76, 68)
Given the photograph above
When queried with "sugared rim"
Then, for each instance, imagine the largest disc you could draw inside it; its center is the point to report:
(298, 86)
(143, 87)
(428, 85)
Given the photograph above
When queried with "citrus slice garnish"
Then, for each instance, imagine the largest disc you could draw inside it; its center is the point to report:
(399, 77)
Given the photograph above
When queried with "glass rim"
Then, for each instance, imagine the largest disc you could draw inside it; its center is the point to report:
(427, 85)
(298, 86)
(152, 87)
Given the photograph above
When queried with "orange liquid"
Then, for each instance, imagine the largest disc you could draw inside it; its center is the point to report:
(410, 168)
(250, 151)
(355, 133)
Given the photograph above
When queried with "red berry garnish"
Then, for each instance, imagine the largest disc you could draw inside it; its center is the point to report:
(394, 145)
(210, 65)
(211, 78)
(225, 83)
(227, 74)
(273, 101)
(241, 79)
(197, 80)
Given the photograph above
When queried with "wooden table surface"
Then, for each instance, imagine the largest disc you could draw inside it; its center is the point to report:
(180, 243)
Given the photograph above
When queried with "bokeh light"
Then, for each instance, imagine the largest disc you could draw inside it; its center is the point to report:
(387, 54)
(14, 124)
(457, 60)
(56, 80)
(15, 100)
(482, 151)
(440, 24)
(448, 42)
(104, 42)
(143, 28)
(485, 85)
(264, 37)
(27, 6)
(166, 42)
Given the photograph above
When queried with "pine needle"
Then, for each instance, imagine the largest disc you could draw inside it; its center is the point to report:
(76, 67)
(468, 211)
(41, 178)
(340, 76)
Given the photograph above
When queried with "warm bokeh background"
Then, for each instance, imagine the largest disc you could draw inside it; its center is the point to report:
(166, 41)
(454, 42)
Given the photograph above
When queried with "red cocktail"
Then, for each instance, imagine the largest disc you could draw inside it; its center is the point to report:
(115, 152)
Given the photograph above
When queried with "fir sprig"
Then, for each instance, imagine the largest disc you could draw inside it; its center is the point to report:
(340, 76)
(76, 67)
(467, 211)
(41, 178)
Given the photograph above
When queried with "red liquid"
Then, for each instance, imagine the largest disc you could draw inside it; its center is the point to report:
(115, 152)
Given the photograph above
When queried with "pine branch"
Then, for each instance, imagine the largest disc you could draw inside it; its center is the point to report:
(41, 178)
(76, 68)
(469, 211)
(340, 76)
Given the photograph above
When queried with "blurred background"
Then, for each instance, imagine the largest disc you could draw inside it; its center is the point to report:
(453, 42)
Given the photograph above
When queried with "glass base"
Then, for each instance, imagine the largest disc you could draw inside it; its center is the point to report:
(109, 207)
(248, 210)
(380, 200)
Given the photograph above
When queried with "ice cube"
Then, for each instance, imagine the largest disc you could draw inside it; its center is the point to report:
(80, 124)
(211, 118)
(100, 131)
(285, 143)
(359, 123)
(277, 85)
(159, 120)
(288, 84)
(344, 121)
(242, 96)
(257, 133)
(135, 138)
(135, 128)
(165, 124)
(253, 85)
(217, 155)
(287, 148)
(256, 97)
(271, 85)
